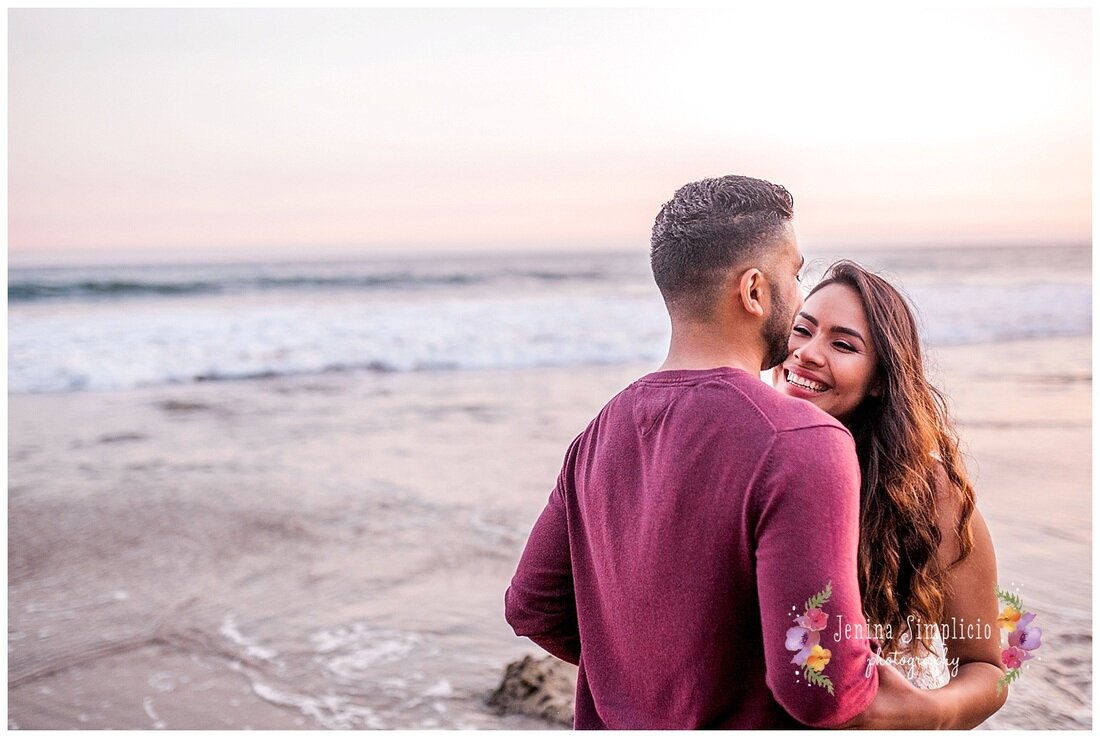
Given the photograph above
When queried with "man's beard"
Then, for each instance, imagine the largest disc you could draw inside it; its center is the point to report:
(777, 333)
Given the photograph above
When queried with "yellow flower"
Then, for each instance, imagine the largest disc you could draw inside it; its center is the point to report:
(818, 658)
(1009, 618)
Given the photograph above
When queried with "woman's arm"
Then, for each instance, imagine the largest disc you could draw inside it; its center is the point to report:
(971, 696)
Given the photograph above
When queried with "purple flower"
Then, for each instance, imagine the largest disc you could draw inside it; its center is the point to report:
(1026, 637)
(802, 640)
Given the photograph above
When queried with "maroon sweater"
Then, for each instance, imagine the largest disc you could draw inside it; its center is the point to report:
(691, 522)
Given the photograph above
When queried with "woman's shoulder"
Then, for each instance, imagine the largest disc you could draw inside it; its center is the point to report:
(949, 496)
(956, 513)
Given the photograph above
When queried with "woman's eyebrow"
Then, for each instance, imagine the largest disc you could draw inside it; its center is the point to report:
(849, 332)
(835, 329)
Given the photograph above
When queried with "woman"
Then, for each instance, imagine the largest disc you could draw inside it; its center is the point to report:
(925, 553)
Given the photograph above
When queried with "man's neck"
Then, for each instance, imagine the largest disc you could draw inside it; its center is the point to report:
(708, 346)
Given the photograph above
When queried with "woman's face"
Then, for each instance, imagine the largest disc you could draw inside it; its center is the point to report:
(830, 359)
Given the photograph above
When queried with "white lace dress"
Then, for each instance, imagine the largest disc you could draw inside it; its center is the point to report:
(929, 670)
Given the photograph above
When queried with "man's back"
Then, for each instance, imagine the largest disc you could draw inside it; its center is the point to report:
(691, 521)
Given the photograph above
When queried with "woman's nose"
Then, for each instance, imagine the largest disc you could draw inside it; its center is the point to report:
(808, 353)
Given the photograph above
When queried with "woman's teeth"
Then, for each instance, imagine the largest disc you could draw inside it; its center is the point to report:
(805, 383)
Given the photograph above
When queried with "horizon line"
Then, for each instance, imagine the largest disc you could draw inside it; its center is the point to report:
(288, 254)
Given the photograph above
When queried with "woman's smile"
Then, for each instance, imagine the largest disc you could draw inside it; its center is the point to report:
(801, 381)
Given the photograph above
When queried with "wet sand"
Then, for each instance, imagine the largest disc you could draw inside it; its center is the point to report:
(332, 551)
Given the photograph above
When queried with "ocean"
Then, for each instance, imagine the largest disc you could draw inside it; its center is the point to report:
(115, 328)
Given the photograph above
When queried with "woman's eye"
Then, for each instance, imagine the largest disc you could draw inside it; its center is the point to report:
(844, 346)
(800, 331)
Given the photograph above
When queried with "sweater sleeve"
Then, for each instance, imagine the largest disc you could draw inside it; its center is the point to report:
(807, 538)
(540, 603)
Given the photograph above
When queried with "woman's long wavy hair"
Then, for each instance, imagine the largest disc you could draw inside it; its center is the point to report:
(906, 442)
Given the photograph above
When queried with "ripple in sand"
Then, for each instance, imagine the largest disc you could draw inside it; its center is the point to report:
(229, 630)
(361, 649)
(330, 711)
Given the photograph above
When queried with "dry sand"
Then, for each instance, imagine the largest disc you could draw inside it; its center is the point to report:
(332, 551)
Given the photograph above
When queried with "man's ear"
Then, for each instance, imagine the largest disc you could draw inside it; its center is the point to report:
(751, 289)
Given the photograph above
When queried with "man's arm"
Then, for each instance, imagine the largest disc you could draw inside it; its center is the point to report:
(540, 603)
(808, 533)
(898, 705)
(807, 539)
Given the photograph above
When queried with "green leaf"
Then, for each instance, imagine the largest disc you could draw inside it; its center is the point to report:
(1009, 597)
(817, 678)
(821, 597)
(1009, 678)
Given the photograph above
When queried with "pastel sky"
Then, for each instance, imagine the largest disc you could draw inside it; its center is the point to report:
(275, 132)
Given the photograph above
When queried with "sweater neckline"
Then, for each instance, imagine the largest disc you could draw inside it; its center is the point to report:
(689, 376)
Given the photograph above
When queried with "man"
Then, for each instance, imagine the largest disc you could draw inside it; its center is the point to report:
(700, 510)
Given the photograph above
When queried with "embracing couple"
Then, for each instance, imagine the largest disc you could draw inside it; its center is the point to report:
(718, 553)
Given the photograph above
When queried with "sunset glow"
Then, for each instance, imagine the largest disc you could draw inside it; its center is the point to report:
(206, 132)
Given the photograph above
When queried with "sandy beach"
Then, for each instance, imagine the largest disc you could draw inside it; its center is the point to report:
(332, 551)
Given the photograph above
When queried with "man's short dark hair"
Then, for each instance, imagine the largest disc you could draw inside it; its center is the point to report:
(710, 227)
